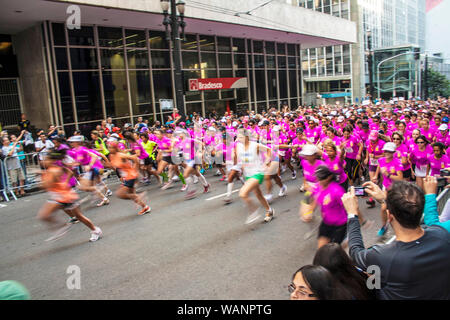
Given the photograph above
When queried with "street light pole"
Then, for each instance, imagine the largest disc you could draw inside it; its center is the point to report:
(176, 22)
(370, 62)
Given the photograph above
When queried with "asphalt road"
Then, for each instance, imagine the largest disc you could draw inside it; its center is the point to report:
(195, 249)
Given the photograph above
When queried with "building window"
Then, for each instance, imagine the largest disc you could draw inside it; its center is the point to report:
(87, 96)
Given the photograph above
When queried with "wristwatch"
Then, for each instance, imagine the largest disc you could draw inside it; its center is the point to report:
(352, 215)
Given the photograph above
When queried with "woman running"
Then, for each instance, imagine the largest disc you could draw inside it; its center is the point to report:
(128, 165)
(55, 180)
(420, 157)
(374, 152)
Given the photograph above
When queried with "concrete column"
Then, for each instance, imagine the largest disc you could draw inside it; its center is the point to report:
(29, 49)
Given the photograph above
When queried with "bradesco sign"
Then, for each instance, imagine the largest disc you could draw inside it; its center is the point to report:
(217, 84)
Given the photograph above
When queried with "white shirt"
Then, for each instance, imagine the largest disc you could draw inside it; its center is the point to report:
(47, 146)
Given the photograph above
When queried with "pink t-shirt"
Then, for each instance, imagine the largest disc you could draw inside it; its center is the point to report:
(391, 167)
(402, 151)
(374, 150)
(309, 169)
(436, 165)
(420, 158)
(330, 200)
(351, 147)
(336, 166)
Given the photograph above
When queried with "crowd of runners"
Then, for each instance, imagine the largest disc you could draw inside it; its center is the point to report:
(330, 151)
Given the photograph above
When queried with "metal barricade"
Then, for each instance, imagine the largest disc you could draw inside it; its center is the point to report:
(442, 199)
(3, 184)
(21, 172)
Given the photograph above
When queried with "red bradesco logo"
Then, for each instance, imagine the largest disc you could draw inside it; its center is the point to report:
(193, 84)
(217, 83)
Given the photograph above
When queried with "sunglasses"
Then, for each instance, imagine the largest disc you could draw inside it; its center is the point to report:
(397, 139)
(420, 142)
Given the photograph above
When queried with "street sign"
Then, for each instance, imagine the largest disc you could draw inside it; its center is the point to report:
(166, 104)
(217, 84)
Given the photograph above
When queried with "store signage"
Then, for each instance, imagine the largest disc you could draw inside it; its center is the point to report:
(217, 84)
(166, 104)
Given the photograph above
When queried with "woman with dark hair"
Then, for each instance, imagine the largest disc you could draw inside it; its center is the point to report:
(352, 147)
(315, 283)
(333, 257)
(328, 195)
(420, 157)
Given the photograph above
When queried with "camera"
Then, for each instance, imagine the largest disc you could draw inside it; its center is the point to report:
(360, 192)
(445, 173)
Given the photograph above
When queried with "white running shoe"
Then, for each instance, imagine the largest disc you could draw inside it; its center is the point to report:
(217, 173)
(227, 200)
(109, 193)
(104, 202)
(283, 191)
(190, 195)
(175, 178)
(167, 185)
(269, 215)
(294, 175)
(184, 187)
(195, 179)
(60, 233)
(96, 234)
(269, 197)
(253, 217)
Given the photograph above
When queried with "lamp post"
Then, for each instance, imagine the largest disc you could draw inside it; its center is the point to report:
(369, 54)
(175, 22)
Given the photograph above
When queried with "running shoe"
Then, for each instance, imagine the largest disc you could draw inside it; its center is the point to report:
(217, 173)
(283, 169)
(223, 178)
(73, 220)
(269, 198)
(96, 234)
(167, 185)
(206, 189)
(175, 178)
(60, 233)
(103, 202)
(269, 215)
(283, 191)
(145, 210)
(195, 179)
(184, 187)
(109, 193)
(382, 231)
(190, 195)
(227, 200)
(253, 217)
(294, 175)
(301, 188)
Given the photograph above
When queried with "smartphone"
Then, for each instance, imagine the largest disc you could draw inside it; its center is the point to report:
(360, 192)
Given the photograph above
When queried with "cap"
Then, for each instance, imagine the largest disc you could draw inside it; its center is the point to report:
(75, 139)
(443, 127)
(445, 119)
(299, 130)
(234, 124)
(390, 147)
(340, 119)
(309, 150)
(212, 129)
(276, 128)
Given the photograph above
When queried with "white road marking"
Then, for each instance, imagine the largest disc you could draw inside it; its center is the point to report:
(221, 195)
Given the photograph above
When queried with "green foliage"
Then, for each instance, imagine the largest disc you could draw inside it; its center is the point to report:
(438, 84)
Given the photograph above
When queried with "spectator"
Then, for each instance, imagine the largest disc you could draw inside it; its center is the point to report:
(43, 146)
(139, 125)
(13, 163)
(314, 283)
(412, 266)
(333, 257)
(52, 132)
(109, 124)
(24, 124)
(430, 185)
(20, 153)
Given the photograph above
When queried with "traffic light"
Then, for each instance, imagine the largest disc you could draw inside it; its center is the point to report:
(417, 53)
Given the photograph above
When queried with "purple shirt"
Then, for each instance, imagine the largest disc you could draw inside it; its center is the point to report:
(330, 200)
(309, 169)
(391, 167)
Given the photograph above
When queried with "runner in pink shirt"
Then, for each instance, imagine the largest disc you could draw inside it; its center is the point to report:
(374, 152)
(310, 161)
(420, 157)
(336, 163)
(402, 154)
(438, 160)
(352, 149)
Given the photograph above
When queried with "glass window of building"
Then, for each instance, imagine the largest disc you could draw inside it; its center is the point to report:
(238, 45)
(158, 40)
(227, 94)
(65, 97)
(260, 81)
(223, 44)
(258, 47)
(281, 48)
(259, 61)
(282, 79)
(190, 60)
(242, 95)
(59, 35)
(110, 37)
(116, 93)
(84, 59)
(225, 60)
(61, 59)
(87, 95)
(291, 49)
(207, 43)
(271, 61)
(162, 80)
(160, 59)
(240, 61)
(226, 73)
(272, 84)
(293, 83)
(291, 62)
(242, 74)
(281, 62)
(137, 59)
(81, 37)
(111, 58)
(190, 43)
(270, 47)
(135, 39)
(193, 107)
(140, 92)
(208, 60)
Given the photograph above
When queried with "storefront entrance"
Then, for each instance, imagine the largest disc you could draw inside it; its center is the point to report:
(219, 107)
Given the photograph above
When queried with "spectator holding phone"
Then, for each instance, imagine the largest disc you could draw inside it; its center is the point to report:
(412, 266)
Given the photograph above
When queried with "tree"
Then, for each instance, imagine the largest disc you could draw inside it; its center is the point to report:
(438, 84)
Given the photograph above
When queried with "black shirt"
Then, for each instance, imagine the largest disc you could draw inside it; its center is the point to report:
(24, 125)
